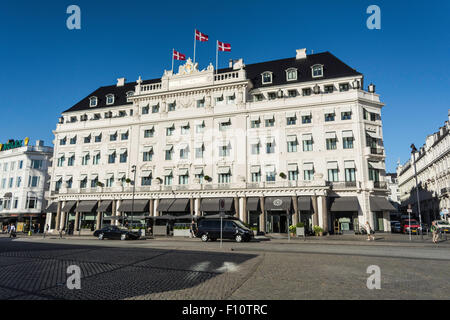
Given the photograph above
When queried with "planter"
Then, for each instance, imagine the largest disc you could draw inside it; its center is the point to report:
(292, 234)
(300, 231)
(321, 234)
(181, 232)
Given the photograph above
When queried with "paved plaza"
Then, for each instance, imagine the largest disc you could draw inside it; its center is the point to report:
(36, 268)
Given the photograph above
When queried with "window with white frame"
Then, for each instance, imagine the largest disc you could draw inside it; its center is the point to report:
(291, 74)
(317, 70)
(266, 77)
(93, 101)
(109, 99)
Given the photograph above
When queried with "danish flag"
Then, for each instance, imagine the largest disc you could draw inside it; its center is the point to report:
(200, 36)
(223, 46)
(178, 56)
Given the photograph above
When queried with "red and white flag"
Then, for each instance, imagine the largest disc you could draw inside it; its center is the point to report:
(222, 46)
(178, 56)
(201, 36)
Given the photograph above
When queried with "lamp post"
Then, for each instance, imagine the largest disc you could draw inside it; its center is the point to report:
(413, 151)
(133, 170)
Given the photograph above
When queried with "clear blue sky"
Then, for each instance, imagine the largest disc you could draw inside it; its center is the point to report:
(46, 68)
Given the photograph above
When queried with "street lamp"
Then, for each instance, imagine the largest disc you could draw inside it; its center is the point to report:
(413, 151)
(133, 170)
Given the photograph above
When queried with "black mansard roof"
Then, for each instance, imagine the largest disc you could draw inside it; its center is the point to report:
(332, 68)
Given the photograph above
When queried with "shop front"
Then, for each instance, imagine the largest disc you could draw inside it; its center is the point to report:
(305, 211)
(175, 213)
(254, 212)
(381, 206)
(70, 215)
(344, 215)
(210, 206)
(51, 211)
(105, 212)
(278, 214)
(134, 212)
(87, 210)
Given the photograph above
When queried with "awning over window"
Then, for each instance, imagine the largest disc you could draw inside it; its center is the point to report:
(105, 206)
(344, 204)
(305, 113)
(376, 165)
(223, 170)
(223, 143)
(86, 206)
(223, 120)
(139, 206)
(183, 146)
(255, 169)
(69, 206)
(111, 152)
(270, 139)
(254, 118)
(146, 173)
(198, 171)
(304, 203)
(329, 111)
(330, 135)
(168, 148)
(184, 124)
(332, 165)
(278, 204)
(213, 205)
(269, 168)
(373, 135)
(167, 172)
(96, 152)
(307, 137)
(308, 166)
(123, 151)
(85, 153)
(82, 177)
(268, 116)
(346, 109)
(183, 172)
(381, 204)
(52, 208)
(164, 205)
(253, 141)
(179, 205)
(123, 131)
(292, 167)
(169, 125)
(347, 134)
(253, 204)
(109, 176)
(199, 122)
(147, 149)
(349, 164)
(86, 135)
(198, 145)
(94, 176)
(291, 138)
(290, 114)
(121, 175)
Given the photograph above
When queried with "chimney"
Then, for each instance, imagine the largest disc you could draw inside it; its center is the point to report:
(230, 63)
(39, 143)
(120, 82)
(301, 54)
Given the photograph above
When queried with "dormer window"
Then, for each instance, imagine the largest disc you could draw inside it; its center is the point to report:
(291, 74)
(110, 99)
(266, 77)
(130, 93)
(317, 70)
(93, 101)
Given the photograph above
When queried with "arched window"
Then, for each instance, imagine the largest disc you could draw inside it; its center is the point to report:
(266, 77)
(110, 99)
(317, 70)
(291, 74)
(93, 101)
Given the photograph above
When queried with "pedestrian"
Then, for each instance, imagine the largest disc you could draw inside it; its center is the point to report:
(12, 231)
(193, 229)
(434, 231)
(369, 232)
(9, 228)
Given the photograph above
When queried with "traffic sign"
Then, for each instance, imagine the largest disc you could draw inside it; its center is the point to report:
(409, 210)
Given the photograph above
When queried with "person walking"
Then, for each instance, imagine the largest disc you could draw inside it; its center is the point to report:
(369, 232)
(193, 228)
(12, 231)
(434, 231)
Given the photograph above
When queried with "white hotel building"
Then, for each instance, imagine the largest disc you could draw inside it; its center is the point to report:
(23, 181)
(297, 135)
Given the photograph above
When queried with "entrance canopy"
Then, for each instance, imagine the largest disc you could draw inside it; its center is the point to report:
(53, 207)
(304, 203)
(344, 204)
(278, 204)
(253, 204)
(70, 205)
(381, 204)
(213, 204)
(105, 206)
(173, 205)
(139, 206)
(86, 206)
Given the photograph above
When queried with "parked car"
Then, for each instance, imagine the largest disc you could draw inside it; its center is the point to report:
(115, 232)
(408, 224)
(209, 229)
(396, 227)
(442, 225)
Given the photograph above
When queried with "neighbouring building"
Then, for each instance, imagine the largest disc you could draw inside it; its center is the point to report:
(433, 176)
(24, 180)
(296, 137)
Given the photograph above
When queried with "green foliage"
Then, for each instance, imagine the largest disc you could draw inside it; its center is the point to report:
(317, 230)
(181, 228)
(282, 175)
(293, 229)
(300, 225)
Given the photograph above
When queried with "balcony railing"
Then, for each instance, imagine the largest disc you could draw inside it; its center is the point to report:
(343, 184)
(380, 184)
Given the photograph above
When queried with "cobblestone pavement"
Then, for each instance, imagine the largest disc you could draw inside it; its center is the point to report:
(165, 269)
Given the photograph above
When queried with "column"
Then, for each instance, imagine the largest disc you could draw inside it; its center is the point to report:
(150, 207)
(316, 211)
(77, 219)
(113, 212)
(295, 216)
(324, 213)
(118, 214)
(244, 209)
(155, 207)
(63, 220)
(236, 206)
(99, 214)
(58, 215)
(191, 206)
(197, 207)
(262, 216)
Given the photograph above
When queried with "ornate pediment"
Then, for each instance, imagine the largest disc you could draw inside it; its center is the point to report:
(188, 68)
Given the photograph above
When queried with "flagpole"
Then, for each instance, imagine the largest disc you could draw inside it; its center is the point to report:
(195, 42)
(217, 52)
(173, 50)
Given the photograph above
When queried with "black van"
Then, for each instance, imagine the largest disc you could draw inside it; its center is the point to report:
(209, 229)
